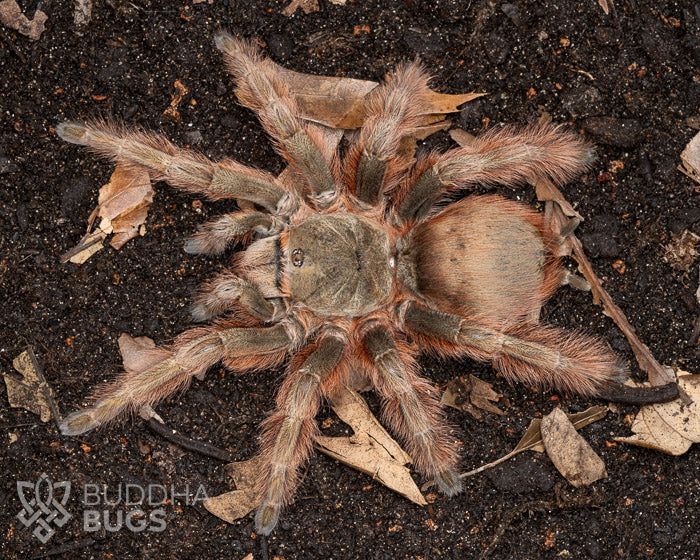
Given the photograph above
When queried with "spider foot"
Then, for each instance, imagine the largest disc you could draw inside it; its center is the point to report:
(78, 422)
(449, 482)
(266, 518)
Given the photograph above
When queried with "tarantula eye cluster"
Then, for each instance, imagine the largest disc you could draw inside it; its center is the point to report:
(357, 267)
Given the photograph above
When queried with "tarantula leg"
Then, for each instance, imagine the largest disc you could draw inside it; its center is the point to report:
(537, 355)
(213, 237)
(181, 168)
(219, 295)
(506, 156)
(289, 432)
(393, 112)
(262, 89)
(413, 410)
(167, 370)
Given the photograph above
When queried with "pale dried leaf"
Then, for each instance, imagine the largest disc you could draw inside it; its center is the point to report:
(11, 15)
(340, 102)
(139, 353)
(546, 190)
(122, 208)
(370, 449)
(469, 394)
(670, 427)
(128, 189)
(240, 502)
(30, 392)
(307, 6)
(690, 157)
(571, 454)
(532, 440)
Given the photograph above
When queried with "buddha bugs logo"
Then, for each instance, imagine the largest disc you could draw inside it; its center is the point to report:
(41, 508)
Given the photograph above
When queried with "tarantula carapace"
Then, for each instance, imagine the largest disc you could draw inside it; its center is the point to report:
(358, 265)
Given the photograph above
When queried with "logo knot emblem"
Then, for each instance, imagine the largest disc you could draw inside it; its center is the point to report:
(41, 508)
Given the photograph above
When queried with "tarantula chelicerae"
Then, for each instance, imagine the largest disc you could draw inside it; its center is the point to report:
(356, 267)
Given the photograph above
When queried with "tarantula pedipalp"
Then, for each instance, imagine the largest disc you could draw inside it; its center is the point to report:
(356, 268)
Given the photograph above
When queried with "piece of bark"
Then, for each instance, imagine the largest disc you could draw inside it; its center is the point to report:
(11, 15)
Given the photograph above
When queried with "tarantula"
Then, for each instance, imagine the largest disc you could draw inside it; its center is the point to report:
(356, 266)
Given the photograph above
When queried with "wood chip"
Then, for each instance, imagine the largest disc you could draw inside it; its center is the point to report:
(690, 158)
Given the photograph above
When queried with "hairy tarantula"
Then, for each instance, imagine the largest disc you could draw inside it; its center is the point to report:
(357, 266)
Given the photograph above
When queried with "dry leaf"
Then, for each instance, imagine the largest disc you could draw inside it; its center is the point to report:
(140, 353)
(340, 102)
(122, 208)
(670, 427)
(532, 440)
(240, 502)
(307, 6)
(657, 374)
(571, 454)
(370, 449)
(691, 159)
(681, 252)
(469, 394)
(30, 392)
(11, 15)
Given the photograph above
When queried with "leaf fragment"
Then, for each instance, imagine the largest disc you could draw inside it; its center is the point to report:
(240, 502)
(690, 158)
(469, 394)
(11, 15)
(532, 439)
(370, 449)
(30, 392)
(571, 454)
(122, 209)
(670, 427)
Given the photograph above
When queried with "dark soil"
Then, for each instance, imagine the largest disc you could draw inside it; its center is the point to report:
(629, 81)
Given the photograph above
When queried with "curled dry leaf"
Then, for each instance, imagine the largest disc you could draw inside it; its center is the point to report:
(11, 15)
(670, 427)
(122, 208)
(571, 454)
(370, 449)
(469, 394)
(690, 158)
(30, 392)
(681, 253)
(532, 440)
(240, 502)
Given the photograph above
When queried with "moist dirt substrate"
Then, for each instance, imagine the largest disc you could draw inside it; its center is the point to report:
(637, 67)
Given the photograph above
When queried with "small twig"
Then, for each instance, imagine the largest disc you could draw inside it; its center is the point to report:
(187, 443)
(617, 392)
(62, 549)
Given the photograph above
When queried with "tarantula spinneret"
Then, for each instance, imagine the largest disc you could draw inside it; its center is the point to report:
(358, 265)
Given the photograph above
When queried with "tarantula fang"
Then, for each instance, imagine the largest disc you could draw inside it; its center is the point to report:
(355, 266)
